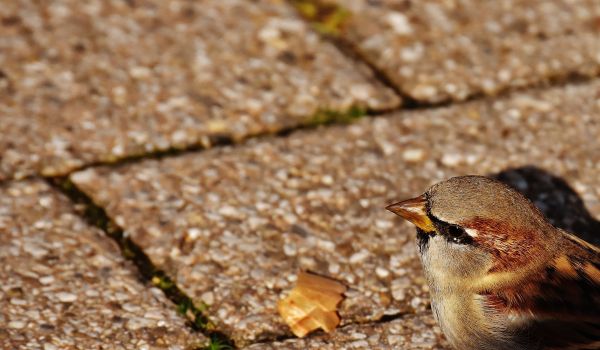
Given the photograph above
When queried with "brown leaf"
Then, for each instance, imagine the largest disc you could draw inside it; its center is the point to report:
(312, 304)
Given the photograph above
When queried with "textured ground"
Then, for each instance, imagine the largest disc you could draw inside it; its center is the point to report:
(450, 50)
(101, 80)
(234, 224)
(65, 285)
(125, 98)
(409, 332)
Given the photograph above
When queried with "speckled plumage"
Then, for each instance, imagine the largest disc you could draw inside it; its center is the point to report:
(502, 277)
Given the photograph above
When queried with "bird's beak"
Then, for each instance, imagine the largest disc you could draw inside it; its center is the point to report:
(413, 210)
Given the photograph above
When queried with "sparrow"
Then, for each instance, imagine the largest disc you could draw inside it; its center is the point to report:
(500, 275)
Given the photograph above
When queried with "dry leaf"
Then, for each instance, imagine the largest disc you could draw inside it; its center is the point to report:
(312, 304)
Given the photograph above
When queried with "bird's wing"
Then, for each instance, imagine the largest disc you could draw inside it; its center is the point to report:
(566, 334)
(562, 301)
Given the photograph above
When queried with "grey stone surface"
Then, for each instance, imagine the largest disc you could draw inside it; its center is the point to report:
(65, 286)
(89, 81)
(450, 50)
(408, 332)
(234, 225)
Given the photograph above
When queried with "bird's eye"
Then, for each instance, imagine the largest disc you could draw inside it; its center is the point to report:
(460, 239)
(458, 235)
(453, 233)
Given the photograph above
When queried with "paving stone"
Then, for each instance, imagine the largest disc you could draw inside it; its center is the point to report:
(409, 332)
(101, 80)
(234, 225)
(450, 50)
(65, 286)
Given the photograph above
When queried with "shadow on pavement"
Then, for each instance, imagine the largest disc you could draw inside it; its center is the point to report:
(555, 198)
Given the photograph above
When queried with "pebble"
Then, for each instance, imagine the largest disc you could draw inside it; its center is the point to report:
(357, 335)
(359, 257)
(451, 159)
(66, 297)
(413, 155)
(399, 23)
(16, 324)
(208, 297)
(46, 280)
(290, 249)
(229, 211)
(382, 272)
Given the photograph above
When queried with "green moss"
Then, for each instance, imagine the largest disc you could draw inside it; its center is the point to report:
(202, 322)
(307, 9)
(217, 344)
(327, 19)
(183, 307)
(325, 116)
(162, 282)
(201, 306)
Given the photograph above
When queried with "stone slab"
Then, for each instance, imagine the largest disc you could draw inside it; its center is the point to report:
(97, 81)
(407, 333)
(234, 225)
(436, 51)
(65, 286)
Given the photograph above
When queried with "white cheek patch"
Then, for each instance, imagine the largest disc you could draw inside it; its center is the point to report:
(471, 232)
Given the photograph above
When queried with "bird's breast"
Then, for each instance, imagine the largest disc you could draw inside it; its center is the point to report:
(461, 313)
(467, 324)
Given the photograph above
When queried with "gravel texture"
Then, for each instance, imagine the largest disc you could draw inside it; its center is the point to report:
(234, 225)
(449, 50)
(90, 81)
(408, 332)
(65, 286)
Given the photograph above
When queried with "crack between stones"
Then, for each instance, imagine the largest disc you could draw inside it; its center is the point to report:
(198, 320)
(350, 51)
(408, 102)
(96, 216)
(323, 118)
(326, 117)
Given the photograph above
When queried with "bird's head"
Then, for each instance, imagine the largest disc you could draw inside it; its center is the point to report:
(473, 227)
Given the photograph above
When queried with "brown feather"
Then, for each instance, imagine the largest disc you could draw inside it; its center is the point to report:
(562, 300)
(510, 245)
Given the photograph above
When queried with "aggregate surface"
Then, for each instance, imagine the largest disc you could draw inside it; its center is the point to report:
(234, 225)
(409, 332)
(96, 81)
(437, 51)
(66, 286)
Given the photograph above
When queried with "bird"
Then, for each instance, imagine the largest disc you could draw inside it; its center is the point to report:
(500, 275)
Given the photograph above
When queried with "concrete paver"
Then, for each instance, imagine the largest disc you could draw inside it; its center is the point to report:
(65, 286)
(99, 80)
(409, 332)
(234, 225)
(449, 50)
